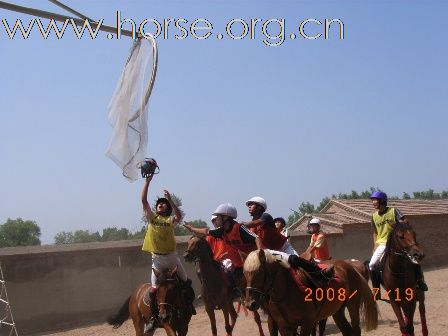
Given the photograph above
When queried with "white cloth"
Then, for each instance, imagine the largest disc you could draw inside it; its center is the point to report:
(169, 261)
(128, 109)
(376, 256)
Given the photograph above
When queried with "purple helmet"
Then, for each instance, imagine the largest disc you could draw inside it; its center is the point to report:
(379, 195)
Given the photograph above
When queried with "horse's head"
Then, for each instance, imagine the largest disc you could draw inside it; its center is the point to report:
(257, 279)
(197, 248)
(168, 294)
(403, 241)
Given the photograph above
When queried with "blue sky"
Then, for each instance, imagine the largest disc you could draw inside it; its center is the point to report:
(228, 119)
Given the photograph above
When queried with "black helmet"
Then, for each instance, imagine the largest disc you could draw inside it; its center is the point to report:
(148, 167)
(169, 209)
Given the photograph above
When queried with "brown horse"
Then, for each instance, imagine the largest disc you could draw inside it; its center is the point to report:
(271, 284)
(174, 314)
(216, 289)
(401, 255)
(361, 267)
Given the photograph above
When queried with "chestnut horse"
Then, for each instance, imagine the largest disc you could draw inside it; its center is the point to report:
(270, 284)
(174, 313)
(400, 256)
(216, 287)
(216, 290)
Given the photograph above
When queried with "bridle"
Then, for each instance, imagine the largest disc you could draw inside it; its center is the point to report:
(262, 296)
(171, 308)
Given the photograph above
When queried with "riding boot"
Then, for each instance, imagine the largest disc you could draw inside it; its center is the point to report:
(152, 323)
(375, 277)
(188, 294)
(323, 275)
(420, 279)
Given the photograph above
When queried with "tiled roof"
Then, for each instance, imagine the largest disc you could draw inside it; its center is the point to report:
(340, 212)
(406, 206)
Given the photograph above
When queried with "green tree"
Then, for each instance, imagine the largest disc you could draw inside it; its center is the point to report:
(179, 230)
(114, 234)
(17, 232)
(64, 238)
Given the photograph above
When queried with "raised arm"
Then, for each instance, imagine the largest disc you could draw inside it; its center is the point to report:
(147, 212)
(177, 213)
(191, 228)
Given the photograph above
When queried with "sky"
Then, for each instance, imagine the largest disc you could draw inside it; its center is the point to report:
(228, 119)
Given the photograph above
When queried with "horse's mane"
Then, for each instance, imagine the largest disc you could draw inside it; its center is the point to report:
(396, 228)
(253, 263)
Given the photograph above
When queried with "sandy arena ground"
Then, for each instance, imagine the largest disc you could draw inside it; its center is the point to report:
(436, 315)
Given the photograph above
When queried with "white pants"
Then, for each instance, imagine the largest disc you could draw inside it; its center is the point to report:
(283, 255)
(169, 261)
(287, 248)
(376, 257)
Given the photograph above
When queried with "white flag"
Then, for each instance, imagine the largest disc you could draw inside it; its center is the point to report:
(128, 109)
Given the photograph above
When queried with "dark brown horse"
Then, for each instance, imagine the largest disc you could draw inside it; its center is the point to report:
(174, 313)
(216, 288)
(271, 284)
(401, 254)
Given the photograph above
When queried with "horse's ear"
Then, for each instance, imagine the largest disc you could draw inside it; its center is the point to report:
(173, 272)
(262, 256)
(156, 272)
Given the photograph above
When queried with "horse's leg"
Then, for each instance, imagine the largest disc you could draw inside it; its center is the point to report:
(353, 310)
(258, 321)
(322, 325)
(272, 326)
(227, 325)
(306, 328)
(313, 331)
(139, 324)
(211, 316)
(401, 322)
(409, 310)
(233, 314)
(342, 323)
(169, 330)
(422, 310)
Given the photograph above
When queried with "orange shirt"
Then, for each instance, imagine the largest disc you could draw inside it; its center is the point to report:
(222, 251)
(321, 251)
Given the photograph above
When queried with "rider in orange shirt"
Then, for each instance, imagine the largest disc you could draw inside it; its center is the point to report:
(318, 245)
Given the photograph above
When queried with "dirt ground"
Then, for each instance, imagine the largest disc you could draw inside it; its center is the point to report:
(436, 315)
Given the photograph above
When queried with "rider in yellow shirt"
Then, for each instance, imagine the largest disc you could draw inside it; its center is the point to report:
(160, 242)
(383, 220)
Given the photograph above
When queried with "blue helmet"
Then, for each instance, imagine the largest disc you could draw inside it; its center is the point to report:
(379, 195)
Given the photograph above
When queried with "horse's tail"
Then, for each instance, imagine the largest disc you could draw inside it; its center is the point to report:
(366, 266)
(369, 308)
(119, 318)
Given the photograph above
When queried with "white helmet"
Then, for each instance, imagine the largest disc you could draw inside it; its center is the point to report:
(315, 221)
(213, 217)
(258, 200)
(226, 209)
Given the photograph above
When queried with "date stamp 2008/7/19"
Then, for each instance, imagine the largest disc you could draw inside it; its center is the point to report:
(341, 294)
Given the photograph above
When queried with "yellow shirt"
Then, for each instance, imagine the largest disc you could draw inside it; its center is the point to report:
(159, 236)
(384, 225)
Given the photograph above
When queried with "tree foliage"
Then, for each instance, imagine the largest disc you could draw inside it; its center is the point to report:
(17, 232)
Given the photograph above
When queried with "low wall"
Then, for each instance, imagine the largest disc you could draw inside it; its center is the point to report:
(61, 287)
